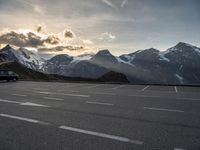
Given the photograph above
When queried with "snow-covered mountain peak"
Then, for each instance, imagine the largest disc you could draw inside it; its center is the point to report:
(183, 47)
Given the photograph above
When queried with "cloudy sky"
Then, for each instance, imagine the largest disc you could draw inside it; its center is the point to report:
(85, 26)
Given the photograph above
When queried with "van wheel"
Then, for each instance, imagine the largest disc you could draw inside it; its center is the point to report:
(8, 80)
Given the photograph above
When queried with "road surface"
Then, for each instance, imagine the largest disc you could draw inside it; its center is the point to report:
(81, 116)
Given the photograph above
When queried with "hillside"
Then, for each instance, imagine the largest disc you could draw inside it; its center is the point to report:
(29, 74)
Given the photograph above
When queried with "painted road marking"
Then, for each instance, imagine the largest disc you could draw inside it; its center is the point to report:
(161, 109)
(178, 149)
(41, 89)
(67, 91)
(33, 104)
(19, 87)
(175, 88)
(189, 99)
(23, 103)
(93, 86)
(117, 87)
(53, 98)
(21, 95)
(75, 95)
(48, 85)
(103, 93)
(23, 119)
(103, 135)
(144, 96)
(145, 88)
(8, 101)
(99, 103)
(44, 92)
(147, 96)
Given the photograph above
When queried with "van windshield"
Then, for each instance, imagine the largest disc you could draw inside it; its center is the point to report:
(11, 73)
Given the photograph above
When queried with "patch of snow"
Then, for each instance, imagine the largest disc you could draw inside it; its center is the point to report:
(180, 67)
(26, 57)
(196, 77)
(162, 57)
(179, 77)
(129, 58)
(77, 59)
(125, 62)
(139, 51)
(197, 50)
(32, 58)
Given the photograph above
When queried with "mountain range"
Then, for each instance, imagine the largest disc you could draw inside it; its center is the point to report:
(177, 65)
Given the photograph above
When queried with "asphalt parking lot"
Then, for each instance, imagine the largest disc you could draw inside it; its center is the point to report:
(86, 116)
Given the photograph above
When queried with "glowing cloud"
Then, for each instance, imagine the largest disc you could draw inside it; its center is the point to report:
(123, 3)
(110, 4)
(43, 41)
(106, 36)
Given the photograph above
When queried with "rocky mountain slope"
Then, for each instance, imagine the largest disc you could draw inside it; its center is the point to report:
(177, 65)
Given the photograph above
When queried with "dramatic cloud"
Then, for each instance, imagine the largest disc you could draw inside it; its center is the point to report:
(123, 3)
(88, 42)
(52, 39)
(109, 3)
(68, 34)
(171, 20)
(41, 28)
(29, 39)
(62, 48)
(62, 42)
(36, 8)
(106, 36)
(21, 40)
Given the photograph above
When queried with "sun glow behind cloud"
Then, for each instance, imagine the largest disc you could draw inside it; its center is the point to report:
(65, 42)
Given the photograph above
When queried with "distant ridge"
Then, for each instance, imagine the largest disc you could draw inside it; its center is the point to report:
(178, 65)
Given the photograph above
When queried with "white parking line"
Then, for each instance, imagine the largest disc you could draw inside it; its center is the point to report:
(75, 95)
(117, 87)
(175, 88)
(23, 119)
(44, 92)
(66, 94)
(161, 109)
(8, 101)
(48, 85)
(147, 96)
(53, 98)
(103, 93)
(21, 95)
(93, 86)
(144, 96)
(189, 99)
(145, 88)
(178, 149)
(69, 86)
(33, 104)
(41, 89)
(19, 87)
(67, 91)
(103, 135)
(99, 103)
(23, 103)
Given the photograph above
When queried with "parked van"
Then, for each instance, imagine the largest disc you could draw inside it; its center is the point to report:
(8, 75)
